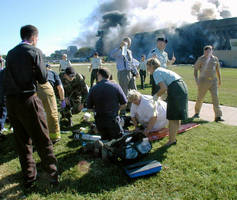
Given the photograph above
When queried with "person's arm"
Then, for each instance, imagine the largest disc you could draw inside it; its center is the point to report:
(196, 68)
(218, 73)
(39, 69)
(60, 92)
(162, 90)
(172, 61)
(100, 63)
(122, 107)
(150, 125)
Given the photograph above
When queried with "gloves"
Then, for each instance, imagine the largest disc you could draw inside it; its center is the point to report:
(63, 103)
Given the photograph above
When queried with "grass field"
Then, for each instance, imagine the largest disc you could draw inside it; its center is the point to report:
(227, 92)
(203, 165)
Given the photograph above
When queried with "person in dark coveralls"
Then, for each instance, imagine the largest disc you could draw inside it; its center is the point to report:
(76, 92)
(24, 68)
(106, 98)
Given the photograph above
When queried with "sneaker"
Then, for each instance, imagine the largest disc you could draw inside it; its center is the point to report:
(5, 130)
(219, 119)
(196, 115)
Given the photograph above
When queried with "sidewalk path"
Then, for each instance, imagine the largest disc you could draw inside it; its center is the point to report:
(207, 113)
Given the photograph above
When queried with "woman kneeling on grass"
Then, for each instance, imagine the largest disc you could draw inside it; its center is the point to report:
(177, 105)
(151, 115)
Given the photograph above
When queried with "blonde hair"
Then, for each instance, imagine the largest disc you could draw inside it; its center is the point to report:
(133, 95)
(153, 62)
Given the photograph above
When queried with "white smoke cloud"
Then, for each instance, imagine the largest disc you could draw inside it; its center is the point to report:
(150, 15)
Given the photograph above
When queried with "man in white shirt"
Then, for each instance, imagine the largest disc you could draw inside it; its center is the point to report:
(64, 63)
(151, 115)
(95, 65)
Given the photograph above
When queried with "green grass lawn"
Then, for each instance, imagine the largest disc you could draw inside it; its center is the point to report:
(203, 165)
(227, 92)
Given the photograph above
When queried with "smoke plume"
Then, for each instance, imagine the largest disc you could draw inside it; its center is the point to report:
(114, 19)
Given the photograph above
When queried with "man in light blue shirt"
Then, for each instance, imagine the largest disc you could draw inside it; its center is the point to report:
(123, 58)
(142, 67)
(159, 52)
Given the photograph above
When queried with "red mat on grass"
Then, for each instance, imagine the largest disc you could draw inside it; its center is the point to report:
(165, 131)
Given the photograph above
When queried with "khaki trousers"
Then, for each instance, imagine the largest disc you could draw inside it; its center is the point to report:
(47, 96)
(203, 87)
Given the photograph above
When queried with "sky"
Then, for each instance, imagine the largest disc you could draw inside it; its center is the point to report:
(58, 21)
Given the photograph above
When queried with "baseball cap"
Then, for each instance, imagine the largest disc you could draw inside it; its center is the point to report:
(162, 38)
(70, 71)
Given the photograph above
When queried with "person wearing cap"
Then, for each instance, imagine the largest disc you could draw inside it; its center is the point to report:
(177, 104)
(209, 78)
(142, 70)
(76, 92)
(64, 63)
(95, 65)
(47, 95)
(123, 58)
(160, 53)
(106, 98)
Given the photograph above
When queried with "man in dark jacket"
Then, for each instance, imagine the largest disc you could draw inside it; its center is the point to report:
(107, 98)
(24, 68)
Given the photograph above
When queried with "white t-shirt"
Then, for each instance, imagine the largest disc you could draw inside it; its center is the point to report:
(145, 110)
(64, 64)
(95, 62)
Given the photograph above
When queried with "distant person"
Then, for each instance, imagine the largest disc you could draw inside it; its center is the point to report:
(209, 78)
(64, 63)
(24, 68)
(95, 65)
(2, 62)
(47, 95)
(151, 115)
(76, 92)
(3, 108)
(177, 104)
(142, 71)
(123, 58)
(160, 53)
(106, 98)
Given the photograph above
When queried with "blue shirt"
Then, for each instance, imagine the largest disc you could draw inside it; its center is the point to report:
(161, 55)
(53, 78)
(106, 97)
(122, 62)
(2, 98)
(164, 75)
(142, 65)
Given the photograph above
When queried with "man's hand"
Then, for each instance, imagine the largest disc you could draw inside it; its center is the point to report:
(173, 59)
(63, 104)
(80, 107)
(122, 44)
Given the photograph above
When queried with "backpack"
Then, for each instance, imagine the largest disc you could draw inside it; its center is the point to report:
(127, 149)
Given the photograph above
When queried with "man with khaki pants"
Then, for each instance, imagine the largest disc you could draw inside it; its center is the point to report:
(209, 79)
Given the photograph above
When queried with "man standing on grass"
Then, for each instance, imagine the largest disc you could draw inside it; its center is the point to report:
(24, 69)
(95, 65)
(209, 79)
(162, 56)
(64, 63)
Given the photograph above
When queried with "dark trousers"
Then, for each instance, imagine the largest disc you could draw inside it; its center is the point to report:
(26, 114)
(143, 77)
(94, 76)
(108, 127)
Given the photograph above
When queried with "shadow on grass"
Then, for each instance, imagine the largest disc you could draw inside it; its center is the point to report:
(7, 152)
